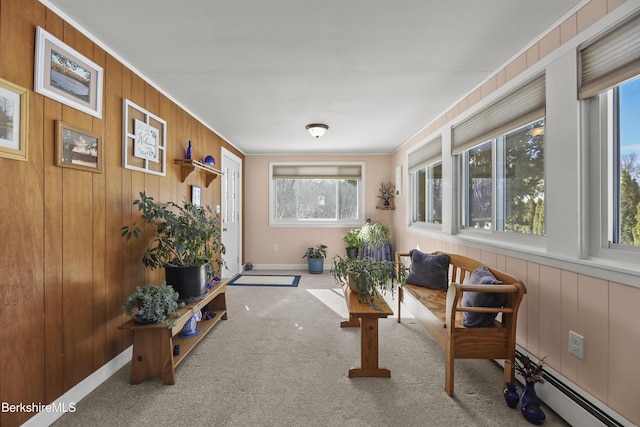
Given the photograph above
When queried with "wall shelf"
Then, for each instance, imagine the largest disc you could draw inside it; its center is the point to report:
(188, 166)
(386, 208)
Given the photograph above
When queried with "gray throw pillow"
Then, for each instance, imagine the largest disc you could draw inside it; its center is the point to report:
(429, 271)
(481, 276)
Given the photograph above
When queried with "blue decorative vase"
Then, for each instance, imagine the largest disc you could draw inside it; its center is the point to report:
(387, 203)
(511, 395)
(187, 155)
(530, 406)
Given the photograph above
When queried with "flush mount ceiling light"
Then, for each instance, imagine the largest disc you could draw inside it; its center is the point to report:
(317, 129)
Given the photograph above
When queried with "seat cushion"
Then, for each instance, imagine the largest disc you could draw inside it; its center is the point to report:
(481, 276)
(428, 270)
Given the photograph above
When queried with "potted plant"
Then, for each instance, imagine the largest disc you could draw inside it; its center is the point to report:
(386, 193)
(373, 234)
(365, 275)
(187, 243)
(315, 257)
(353, 243)
(151, 303)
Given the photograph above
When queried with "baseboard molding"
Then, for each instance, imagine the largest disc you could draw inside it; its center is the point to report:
(67, 402)
(573, 404)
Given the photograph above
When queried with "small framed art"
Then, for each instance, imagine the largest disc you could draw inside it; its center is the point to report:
(78, 148)
(14, 106)
(196, 195)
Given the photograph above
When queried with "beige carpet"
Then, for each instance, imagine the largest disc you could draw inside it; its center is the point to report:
(281, 359)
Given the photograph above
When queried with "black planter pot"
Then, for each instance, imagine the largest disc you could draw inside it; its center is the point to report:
(352, 252)
(190, 282)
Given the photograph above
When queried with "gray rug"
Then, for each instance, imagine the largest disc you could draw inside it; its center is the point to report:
(281, 359)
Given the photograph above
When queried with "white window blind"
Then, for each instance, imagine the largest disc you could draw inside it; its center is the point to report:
(317, 171)
(611, 59)
(429, 153)
(514, 110)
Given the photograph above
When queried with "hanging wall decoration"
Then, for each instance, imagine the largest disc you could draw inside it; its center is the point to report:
(143, 140)
(63, 74)
(78, 148)
(14, 105)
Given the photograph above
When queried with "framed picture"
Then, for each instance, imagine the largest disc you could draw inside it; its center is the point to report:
(196, 193)
(14, 107)
(63, 74)
(144, 140)
(78, 148)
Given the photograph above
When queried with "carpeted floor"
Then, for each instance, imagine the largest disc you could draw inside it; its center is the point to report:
(281, 359)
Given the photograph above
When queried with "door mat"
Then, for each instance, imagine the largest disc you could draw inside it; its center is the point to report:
(265, 280)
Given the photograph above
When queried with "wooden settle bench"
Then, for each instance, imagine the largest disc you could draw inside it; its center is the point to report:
(441, 314)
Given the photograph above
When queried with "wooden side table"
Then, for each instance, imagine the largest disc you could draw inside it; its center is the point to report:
(366, 317)
(153, 343)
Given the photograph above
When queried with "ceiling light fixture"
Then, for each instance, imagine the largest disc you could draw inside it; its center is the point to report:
(317, 129)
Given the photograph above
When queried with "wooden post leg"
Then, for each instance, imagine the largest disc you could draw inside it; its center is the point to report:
(152, 356)
(369, 351)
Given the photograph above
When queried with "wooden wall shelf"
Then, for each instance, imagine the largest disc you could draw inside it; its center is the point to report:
(188, 166)
(386, 208)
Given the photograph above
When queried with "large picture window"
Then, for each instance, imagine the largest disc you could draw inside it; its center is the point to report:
(326, 194)
(425, 172)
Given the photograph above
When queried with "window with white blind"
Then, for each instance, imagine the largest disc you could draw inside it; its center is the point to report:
(610, 87)
(501, 152)
(425, 172)
(316, 194)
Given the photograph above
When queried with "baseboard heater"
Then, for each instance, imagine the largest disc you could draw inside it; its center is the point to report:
(571, 405)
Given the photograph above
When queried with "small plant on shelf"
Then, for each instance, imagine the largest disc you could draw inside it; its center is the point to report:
(386, 192)
(151, 303)
(365, 275)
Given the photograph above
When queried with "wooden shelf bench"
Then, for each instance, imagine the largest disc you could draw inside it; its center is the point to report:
(441, 315)
(153, 343)
(366, 317)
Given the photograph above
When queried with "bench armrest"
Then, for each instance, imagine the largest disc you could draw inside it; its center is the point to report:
(455, 291)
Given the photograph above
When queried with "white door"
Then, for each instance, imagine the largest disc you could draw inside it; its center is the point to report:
(231, 211)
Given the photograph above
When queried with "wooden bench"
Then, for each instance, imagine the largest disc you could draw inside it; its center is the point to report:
(441, 315)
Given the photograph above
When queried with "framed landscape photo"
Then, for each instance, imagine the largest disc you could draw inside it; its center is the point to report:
(14, 107)
(78, 148)
(63, 74)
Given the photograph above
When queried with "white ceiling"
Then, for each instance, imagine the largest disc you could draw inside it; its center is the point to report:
(257, 71)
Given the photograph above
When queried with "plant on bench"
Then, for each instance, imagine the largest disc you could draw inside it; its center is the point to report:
(463, 316)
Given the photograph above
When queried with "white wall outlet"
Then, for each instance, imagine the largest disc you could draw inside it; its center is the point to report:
(275, 248)
(576, 345)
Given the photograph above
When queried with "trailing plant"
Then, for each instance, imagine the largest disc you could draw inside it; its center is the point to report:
(369, 274)
(183, 234)
(319, 251)
(374, 233)
(352, 239)
(151, 303)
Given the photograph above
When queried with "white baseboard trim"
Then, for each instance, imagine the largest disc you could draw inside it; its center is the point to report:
(68, 401)
(575, 405)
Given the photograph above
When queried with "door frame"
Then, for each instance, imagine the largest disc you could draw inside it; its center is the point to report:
(226, 153)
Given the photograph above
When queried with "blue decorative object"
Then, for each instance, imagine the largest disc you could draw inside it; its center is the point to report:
(210, 160)
(189, 329)
(188, 153)
(511, 395)
(530, 406)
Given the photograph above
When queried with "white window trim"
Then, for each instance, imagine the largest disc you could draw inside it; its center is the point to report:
(273, 222)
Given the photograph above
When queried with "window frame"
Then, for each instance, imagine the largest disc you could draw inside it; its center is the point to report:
(317, 223)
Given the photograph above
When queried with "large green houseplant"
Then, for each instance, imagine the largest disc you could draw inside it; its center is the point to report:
(365, 275)
(373, 234)
(187, 242)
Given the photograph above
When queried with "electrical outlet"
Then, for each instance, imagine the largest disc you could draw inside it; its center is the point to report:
(576, 345)
(275, 248)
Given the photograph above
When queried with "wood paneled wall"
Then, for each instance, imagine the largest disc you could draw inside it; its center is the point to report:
(65, 270)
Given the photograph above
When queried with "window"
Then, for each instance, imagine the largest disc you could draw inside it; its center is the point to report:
(501, 152)
(318, 194)
(626, 164)
(610, 86)
(425, 170)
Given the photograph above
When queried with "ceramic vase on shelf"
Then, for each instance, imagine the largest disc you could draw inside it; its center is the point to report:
(530, 406)
(187, 155)
(511, 395)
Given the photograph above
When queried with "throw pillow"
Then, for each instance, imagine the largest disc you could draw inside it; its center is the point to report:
(481, 276)
(429, 271)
